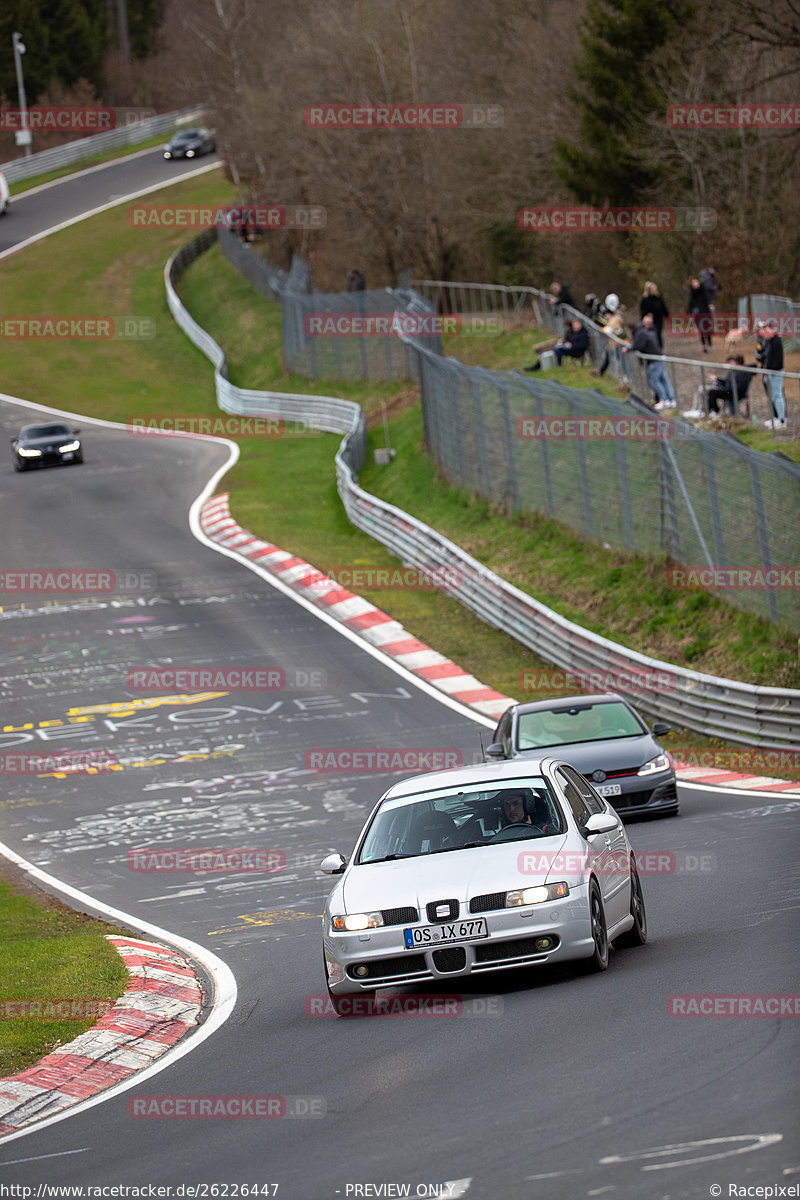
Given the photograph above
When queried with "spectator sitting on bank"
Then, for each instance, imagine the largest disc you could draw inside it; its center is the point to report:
(575, 344)
(731, 389)
(653, 302)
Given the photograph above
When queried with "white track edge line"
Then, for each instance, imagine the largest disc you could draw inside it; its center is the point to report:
(222, 1003)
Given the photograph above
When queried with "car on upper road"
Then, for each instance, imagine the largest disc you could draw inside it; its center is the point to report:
(476, 869)
(46, 445)
(5, 195)
(605, 738)
(190, 143)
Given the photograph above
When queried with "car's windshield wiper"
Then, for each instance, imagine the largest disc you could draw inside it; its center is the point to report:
(386, 858)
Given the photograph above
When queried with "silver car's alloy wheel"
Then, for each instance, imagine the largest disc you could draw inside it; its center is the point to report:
(637, 936)
(599, 958)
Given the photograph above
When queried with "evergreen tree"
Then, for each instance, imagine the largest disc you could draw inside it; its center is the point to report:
(604, 163)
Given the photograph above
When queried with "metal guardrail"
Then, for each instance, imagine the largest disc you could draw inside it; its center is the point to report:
(738, 712)
(113, 139)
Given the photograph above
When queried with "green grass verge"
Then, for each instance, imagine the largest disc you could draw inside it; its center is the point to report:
(21, 186)
(48, 952)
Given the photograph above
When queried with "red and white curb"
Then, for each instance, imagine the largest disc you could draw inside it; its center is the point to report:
(161, 1003)
(374, 626)
(389, 636)
(714, 777)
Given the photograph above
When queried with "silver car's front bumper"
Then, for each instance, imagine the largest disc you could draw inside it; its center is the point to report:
(512, 933)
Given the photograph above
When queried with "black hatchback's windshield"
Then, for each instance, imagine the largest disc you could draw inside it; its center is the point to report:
(31, 432)
(188, 135)
(580, 723)
(459, 819)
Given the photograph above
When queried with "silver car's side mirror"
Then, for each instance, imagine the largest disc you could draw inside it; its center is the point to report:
(334, 864)
(600, 823)
(496, 750)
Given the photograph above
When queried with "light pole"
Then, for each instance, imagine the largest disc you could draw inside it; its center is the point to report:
(23, 135)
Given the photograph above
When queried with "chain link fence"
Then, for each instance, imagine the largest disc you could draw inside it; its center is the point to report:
(612, 470)
(763, 716)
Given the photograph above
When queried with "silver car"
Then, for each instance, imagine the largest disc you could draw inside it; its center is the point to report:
(480, 869)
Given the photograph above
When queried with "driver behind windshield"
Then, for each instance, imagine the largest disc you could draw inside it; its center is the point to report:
(513, 809)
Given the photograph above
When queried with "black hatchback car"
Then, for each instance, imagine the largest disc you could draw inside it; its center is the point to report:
(605, 739)
(45, 445)
(190, 143)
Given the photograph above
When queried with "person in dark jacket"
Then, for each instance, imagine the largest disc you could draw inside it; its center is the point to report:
(355, 280)
(561, 295)
(646, 342)
(653, 302)
(575, 344)
(774, 362)
(732, 389)
(700, 307)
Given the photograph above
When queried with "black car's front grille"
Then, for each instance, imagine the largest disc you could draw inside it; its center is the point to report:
(399, 916)
(450, 915)
(383, 967)
(487, 902)
(619, 774)
(518, 948)
(454, 958)
(665, 793)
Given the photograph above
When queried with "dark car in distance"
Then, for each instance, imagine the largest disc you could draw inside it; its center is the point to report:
(46, 445)
(603, 737)
(190, 143)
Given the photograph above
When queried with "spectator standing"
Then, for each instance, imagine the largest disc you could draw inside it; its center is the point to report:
(355, 280)
(615, 324)
(560, 294)
(761, 354)
(708, 278)
(774, 362)
(700, 307)
(653, 302)
(646, 342)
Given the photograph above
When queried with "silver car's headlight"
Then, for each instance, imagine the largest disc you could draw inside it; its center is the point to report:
(351, 922)
(537, 895)
(660, 763)
(69, 446)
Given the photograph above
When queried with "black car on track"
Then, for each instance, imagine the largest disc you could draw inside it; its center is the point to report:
(603, 737)
(190, 143)
(46, 445)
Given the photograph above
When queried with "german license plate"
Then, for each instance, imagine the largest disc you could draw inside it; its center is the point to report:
(452, 931)
(608, 789)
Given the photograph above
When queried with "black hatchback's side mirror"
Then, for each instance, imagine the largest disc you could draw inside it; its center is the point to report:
(661, 728)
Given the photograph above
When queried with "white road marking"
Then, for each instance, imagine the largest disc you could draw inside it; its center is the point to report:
(758, 1141)
(224, 981)
(156, 187)
(38, 1157)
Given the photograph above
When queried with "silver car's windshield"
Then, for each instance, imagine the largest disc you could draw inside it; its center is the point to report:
(580, 723)
(461, 818)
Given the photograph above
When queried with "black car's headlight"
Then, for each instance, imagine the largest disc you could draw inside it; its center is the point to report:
(537, 895)
(69, 446)
(661, 762)
(29, 453)
(352, 922)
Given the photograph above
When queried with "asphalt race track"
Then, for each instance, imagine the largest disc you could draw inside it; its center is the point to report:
(554, 1085)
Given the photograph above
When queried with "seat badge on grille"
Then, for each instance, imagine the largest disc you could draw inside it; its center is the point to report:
(442, 911)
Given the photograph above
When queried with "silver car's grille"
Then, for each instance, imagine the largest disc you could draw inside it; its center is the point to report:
(399, 916)
(383, 967)
(487, 902)
(438, 917)
(454, 958)
(518, 948)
